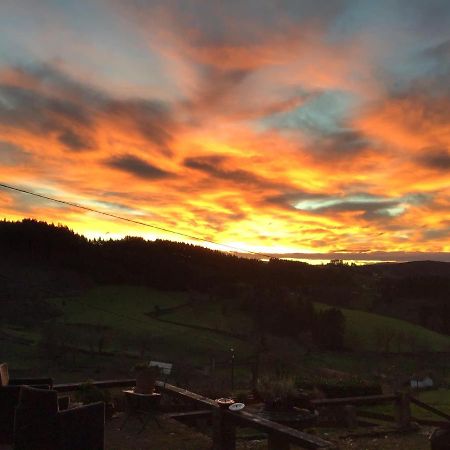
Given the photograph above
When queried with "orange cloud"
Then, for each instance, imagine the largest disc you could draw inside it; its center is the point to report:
(249, 148)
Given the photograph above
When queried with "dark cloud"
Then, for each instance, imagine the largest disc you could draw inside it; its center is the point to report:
(48, 76)
(290, 199)
(344, 143)
(370, 210)
(137, 167)
(438, 159)
(229, 94)
(151, 118)
(440, 52)
(214, 167)
(369, 206)
(36, 111)
(216, 83)
(430, 86)
(235, 22)
(74, 141)
(437, 234)
(57, 104)
(12, 155)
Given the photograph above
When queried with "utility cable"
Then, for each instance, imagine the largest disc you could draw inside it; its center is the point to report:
(138, 222)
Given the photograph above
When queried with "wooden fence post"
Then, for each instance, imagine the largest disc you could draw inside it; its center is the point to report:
(403, 411)
(277, 442)
(224, 431)
(350, 416)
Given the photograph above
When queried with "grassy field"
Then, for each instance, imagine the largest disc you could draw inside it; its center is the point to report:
(371, 332)
(439, 398)
(108, 306)
(123, 311)
(213, 315)
(364, 331)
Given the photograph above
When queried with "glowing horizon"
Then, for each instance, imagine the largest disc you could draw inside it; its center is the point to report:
(276, 127)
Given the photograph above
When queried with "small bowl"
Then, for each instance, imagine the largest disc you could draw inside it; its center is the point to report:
(236, 407)
(225, 402)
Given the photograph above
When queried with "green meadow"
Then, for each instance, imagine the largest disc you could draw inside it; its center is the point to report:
(367, 331)
(125, 314)
(121, 318)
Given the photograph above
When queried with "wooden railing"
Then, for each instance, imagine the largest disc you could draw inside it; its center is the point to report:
(401, 403)
(106, 384)
(280, 437)
(402, 416)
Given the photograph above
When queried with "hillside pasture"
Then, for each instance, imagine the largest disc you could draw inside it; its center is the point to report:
(367, 331)
(123, 314)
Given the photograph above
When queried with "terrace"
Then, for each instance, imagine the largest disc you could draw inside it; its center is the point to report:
(198, 422)
(219, 426)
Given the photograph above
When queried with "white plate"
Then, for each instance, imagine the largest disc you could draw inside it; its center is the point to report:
(236, 407)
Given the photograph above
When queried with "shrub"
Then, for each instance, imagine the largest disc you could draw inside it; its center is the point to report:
(337, 388)
(278, 393)
(89, 393)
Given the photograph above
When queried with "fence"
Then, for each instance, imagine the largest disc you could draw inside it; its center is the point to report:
(280, 437)
(402, 410)
(225, 422)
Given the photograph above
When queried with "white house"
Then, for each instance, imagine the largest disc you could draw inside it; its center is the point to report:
(422, 382)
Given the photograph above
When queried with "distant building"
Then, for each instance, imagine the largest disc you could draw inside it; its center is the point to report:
(421, 382)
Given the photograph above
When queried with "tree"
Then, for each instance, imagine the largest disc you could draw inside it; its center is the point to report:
(330, 329)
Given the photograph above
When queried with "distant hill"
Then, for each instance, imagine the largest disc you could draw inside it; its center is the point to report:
(38, 256)
(412, 268)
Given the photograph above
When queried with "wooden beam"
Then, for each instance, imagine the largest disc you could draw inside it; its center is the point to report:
(107, 384)
(430, 408)
(432, 423)
(366, 400)
(350, 416)
(224, 431)
(200, 414)
(375, 415)
(403, 411)
(291, 435)
(185, 394)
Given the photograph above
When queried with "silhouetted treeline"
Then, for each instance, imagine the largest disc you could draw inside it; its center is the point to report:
(163, 264)
(279, 312)
(416, 291)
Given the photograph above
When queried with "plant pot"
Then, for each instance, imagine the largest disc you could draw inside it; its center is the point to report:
(145, 381)
(224, 402)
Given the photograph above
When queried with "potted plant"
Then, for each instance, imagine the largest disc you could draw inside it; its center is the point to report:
(89, 393)
(146, 377)
(278, 394)
(284, 403)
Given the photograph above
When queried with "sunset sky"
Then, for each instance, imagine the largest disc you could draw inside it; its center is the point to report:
(280, 126)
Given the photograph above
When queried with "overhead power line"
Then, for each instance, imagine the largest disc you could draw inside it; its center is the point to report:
(137, 222)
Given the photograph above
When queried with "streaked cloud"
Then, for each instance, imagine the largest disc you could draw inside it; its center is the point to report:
(434, 158)
(136, 166)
